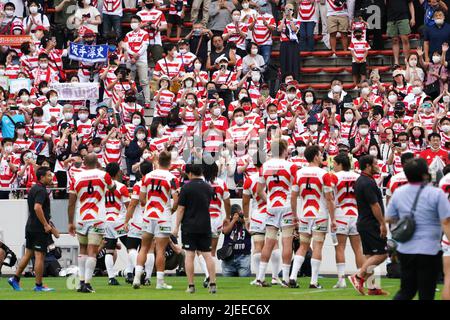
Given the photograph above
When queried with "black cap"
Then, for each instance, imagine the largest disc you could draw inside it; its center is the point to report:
(235, 208)
(20, 125)
(399, 105)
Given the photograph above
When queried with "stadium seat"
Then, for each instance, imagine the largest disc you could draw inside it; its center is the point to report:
(348, 86)
(333, 69)
(381, 69)
(310, 70)
(343, 53)
(320, 86)
(322, 54)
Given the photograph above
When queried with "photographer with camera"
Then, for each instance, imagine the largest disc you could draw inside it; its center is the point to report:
(225, 80)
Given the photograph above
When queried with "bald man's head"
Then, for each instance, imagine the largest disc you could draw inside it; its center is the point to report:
(91, 161)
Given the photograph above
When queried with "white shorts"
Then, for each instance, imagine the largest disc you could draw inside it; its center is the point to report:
(216, 227)
(347, 225)
(257, 226)
(310, 225)
(134, 231)
(114, 230)
(445, 246)
(158, 228)
(280, 217)
(86, 227)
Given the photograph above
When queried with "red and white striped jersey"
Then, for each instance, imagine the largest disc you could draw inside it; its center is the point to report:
(333, 10)
(189, 120)
(343, 183)
(120, 88)
(444, 138)
(347, 130)
(312, 183)
(21, 144)
(90, 187)
(241, 135)
(156, 17)
(138, 213)
(178, 135)
(214, 140)
(112, 7)
(71, 172)
(444, 184)
(110, 78)
(279, 177)
(164, 103)
(221, 193)
(112, 151)
(39, 130)
(359, 48)
(261, 35)
(55, 59)
(52, 111)
(136, 42)
(116, 203)
(258, 212)
(187, 59)
(235, 36)
(158, 144)
(241, 162)
(12, 71)
(85, 130)
(284, 37)
(300, 162)
(128, 130)
(159, 186)
(317, 140)
(228, 77)
(307, 11)
(127, 109)
(49, 75)
(396, 181)
(177, 167)
(7, 176)
(169, 68)
(283, 108)
(427, 120)
(359, 25)
(173, 10)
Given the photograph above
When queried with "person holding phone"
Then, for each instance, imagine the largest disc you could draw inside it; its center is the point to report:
(10, 114)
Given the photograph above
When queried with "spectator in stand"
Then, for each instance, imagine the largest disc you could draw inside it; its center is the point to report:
(261, 27)
(112, 17)
(375, 29)
(413, 70)
(401, 18)
(87, 16)
(10, 19)
(435, 36)
(435, 150)
(35, 19)
(253, 59)
(196, 8)
(308, 20)
(220, 16)
(9, 116)
(430, 7)
(219, 51)
(289, 49)
(338, 21)
(236, 32)
(359, 144)
(359, 49)
(436, 72)
(198, 41)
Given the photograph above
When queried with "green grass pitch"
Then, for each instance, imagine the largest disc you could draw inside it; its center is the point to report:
(228, 289)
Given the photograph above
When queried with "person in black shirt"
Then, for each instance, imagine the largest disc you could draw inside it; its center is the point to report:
(193, 215)
(37, 231)
(371, 225)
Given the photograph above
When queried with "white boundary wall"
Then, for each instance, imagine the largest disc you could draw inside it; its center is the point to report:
(14, 213)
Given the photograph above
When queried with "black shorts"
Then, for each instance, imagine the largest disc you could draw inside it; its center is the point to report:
(112, 243)
(174, 19)
(371, 241)
(196, 241)
(359, 69)
(37, 241)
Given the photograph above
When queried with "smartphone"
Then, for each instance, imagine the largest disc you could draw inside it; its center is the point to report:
(14, 108)
(110, 110)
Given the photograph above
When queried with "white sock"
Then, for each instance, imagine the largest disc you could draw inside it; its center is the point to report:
(203, 265)
(315, 266)
(276, 261)
(286, 268)
(371, 283)
(90, 267)
(109, 263)
(132, 258)
(159, 277)
(81, 265)
(149, 265)
(256, 257)
(138, 271)
(341, 271)
(298, 262)
(262, 271)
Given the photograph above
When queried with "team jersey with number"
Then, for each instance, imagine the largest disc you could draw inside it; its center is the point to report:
(221, 193)
(258, 210)
(313, 183)
(395, 182)
(278, 176)
(159, 186)
(90, 187)
(343, 183)
(115, 203)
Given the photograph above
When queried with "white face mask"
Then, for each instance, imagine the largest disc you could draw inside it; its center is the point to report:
(273, 116)
(365, 91)
(217, 112)
(417, 90)
(242, 95)
(236, 18)
(403, 145)
(21, 131)
(313, 127)
(45, 90)
(363, 131)
(68, 116)
(348, 117)
(245, 6)
(9, 13)
(445, 128)
(188, 83)
(239, 120)
(198, 66)
(43, 65)
(301, 150)
(309, 100)
(436, 59)
(174, 155)
(337, 89)
(373, 153)
(254, 51)
(37, 119)
(256, 77)
(97, 149)
(446, 99)
(439, 22)
(136, 121)
(25, 98)
(182, 51)
(33, 9)
(134, 25)
(83, 116)
(140, 136)
(291, 96)
(146, 155)
(190, 102)
(8, 149)
(163, 84)
(161, 131)
(413, 63)
(53, 100)
(392, 98)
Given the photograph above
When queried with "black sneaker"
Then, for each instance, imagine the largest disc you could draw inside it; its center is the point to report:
(147, 282)
(206, 282)
(190, 289)
(293, 284)
(143, 278)
(315, 286)
(88, 288)
(129, 279)
(113, 282)
(212, 288)
(263, 284)
(81, 286)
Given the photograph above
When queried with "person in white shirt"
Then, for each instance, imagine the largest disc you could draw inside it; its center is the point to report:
(87, 16)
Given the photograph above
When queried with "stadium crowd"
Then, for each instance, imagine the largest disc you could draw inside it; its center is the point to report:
(219, 93)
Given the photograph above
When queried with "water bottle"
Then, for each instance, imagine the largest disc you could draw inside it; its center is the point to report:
(334, 239)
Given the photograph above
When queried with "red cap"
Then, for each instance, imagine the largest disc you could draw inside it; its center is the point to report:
(40, 28)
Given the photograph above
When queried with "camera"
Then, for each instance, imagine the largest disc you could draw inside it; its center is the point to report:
(10, 259)
(241, 215)
(397, 144)
(340, 3)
